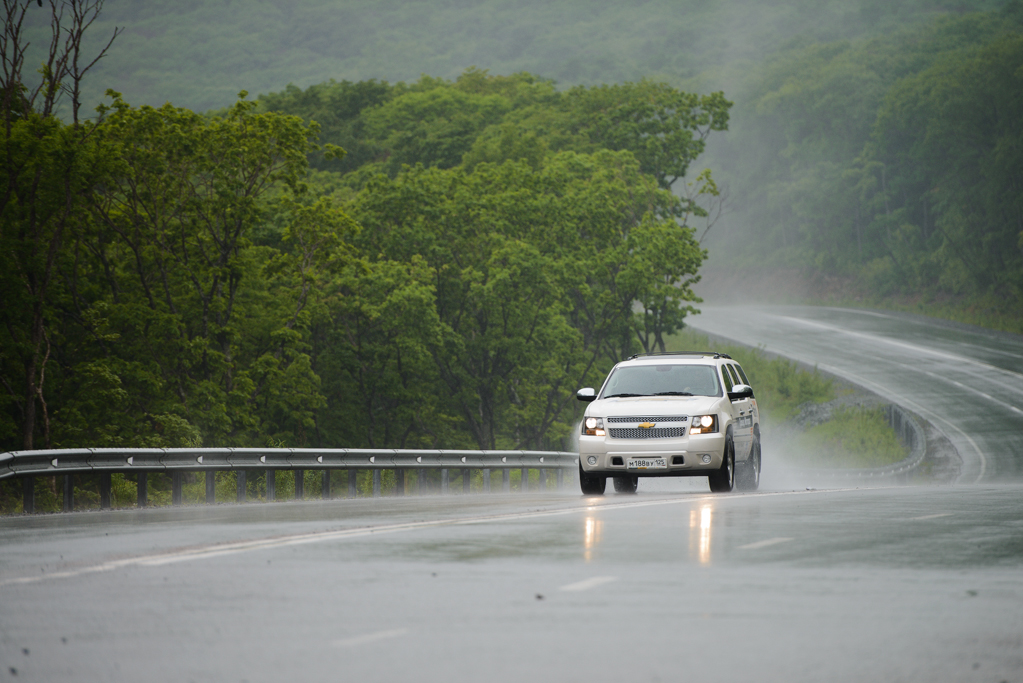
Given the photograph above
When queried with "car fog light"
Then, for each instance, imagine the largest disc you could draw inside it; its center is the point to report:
(706, 459)
(592, 460)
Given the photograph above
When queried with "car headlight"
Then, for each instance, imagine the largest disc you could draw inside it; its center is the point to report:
(704, 424)
(594, 426)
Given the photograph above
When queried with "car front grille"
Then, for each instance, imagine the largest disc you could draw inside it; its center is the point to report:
(655, 420)
(651, 433)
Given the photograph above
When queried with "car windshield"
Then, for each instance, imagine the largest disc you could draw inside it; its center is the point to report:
(662, 380)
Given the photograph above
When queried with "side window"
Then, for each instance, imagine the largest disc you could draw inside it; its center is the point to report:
(735, 377)
(742, 375)
(728, 380)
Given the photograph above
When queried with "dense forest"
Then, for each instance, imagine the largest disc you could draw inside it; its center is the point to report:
(870, 156)
(490, 244)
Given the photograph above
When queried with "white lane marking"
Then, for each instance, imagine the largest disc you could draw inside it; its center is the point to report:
(904, 345)
(940, 514)
(222, 549)
(970, 389)
(858, 311)
(370, 637)
(765, 543)
(587, 584)
(921, 323)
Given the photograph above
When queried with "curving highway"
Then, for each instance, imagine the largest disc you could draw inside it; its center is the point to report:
(917, 583)
(966, 381)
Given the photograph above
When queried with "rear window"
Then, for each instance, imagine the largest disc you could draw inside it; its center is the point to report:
(662, 380)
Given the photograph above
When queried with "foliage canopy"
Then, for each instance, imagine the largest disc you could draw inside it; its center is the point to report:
(481, 249)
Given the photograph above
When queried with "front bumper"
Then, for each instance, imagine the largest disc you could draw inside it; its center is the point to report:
(613, 455)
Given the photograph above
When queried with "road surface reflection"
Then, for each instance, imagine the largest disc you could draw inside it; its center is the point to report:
(700, 532)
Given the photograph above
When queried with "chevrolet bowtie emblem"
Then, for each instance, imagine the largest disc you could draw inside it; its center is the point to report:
(647, 425)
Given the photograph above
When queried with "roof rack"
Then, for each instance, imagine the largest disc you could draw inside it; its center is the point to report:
(715, 354)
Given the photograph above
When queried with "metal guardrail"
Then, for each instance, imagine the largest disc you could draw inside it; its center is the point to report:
(141, 461)
(910, 433)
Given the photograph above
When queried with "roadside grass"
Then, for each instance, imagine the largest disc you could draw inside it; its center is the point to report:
(854, 437)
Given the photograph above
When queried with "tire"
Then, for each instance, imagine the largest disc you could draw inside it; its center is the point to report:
(591, 484)
(723, 479)
(747, 478)
(626, 483)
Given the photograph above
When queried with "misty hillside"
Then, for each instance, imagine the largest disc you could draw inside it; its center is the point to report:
(200, 54)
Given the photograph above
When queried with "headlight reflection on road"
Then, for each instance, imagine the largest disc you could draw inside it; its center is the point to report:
(592, 531)
(699, 533)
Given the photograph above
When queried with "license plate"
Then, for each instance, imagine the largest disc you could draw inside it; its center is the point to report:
(648, 463)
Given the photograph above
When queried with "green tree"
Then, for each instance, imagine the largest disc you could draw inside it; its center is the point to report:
(536, 274)
(47, 172)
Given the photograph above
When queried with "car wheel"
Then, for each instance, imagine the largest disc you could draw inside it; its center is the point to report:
(591, 484)
(626, 483)
(723, 479)
(748, 478)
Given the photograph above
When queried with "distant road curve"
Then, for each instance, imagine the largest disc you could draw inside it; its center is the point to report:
(968, 382)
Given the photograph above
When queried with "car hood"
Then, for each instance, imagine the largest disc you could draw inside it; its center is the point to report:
(642, 406)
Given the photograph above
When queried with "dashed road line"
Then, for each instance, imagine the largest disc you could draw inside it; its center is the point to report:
(370, 637)
(935, 516)
(765, 543)
(587, 584)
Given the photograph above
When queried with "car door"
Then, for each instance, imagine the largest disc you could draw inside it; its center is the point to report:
(742, 414)
(753, 401)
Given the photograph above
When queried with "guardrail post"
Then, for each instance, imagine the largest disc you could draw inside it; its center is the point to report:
(142, 490)
(325, 485)
(241, 486)
(486, 481)
(376, 483)
(506, 480)
(399, 481)
(211, 487)
(560, 478)
(421, 487)
(524, 482)
(466, 480)
(28, 495)
(271, 485)
(69, 492)
(299, 484)
(543, 479)
(104, 490)
(353, 481)
(175, 488)
(443, 481)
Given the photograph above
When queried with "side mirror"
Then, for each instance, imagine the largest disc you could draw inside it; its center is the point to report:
(740, 391)
(588, 394)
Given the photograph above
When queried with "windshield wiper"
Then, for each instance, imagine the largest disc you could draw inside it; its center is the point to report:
(625, 395)
(673, 393)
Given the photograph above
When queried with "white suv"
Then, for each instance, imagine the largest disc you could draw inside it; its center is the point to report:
(671, 415)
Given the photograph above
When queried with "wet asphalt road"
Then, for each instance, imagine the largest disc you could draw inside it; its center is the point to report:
(967, 382)
(898, 584)
(920, 583)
